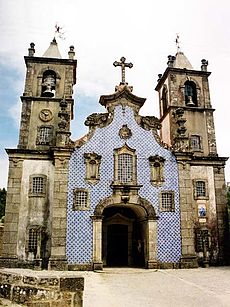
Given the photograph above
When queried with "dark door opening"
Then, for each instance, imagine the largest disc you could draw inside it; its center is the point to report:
(117, 245)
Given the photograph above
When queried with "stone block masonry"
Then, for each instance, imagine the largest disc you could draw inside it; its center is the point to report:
(41, 288)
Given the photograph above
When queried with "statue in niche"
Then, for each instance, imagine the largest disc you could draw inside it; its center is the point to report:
(92, 162)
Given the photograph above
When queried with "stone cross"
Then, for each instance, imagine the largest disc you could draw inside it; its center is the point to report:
(123, 65)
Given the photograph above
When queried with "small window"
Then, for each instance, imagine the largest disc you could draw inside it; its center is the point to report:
(45, 135)
(125, 168)
(195, 142)
(200, 189)
(80, 199)
(38, 185)
(33, 240)
(190, 94)
(167, 201)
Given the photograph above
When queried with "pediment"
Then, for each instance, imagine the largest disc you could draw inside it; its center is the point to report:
(122, 92)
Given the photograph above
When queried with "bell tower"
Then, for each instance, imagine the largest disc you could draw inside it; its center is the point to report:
(35, 220)
(183, 87)
(47, 104)
(186, 115)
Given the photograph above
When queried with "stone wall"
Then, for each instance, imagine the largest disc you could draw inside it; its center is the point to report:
(1, 237)
(43, 289)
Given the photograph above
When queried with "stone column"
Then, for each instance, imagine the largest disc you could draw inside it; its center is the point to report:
(97, 243)
(151, 261)
(59, 211)
(188, 257)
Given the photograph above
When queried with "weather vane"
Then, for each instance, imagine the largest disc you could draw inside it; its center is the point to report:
(177, 42)
(59, 33)
(123, 65)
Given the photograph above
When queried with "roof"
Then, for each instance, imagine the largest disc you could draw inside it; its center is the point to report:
(52, 51)
(181, 61)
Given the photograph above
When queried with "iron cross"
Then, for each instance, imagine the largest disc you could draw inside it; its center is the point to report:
(123, 65)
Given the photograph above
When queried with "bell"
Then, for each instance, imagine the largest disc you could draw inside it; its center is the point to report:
(190, 102)
(49, 85)
(48, 93)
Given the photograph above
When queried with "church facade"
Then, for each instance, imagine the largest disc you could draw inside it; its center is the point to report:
(134, 191)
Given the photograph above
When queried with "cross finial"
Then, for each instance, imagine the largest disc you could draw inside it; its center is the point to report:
(123, 65)
(177, 42)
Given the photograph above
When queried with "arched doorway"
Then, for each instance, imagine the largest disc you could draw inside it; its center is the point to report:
(123, 237)
(124, 234)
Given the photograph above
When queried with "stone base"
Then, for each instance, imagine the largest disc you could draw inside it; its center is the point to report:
(188, 262)
(80, 267)
(169, 265)
(8, 262)
(97, 266)
(58, 264)
(152, 264)
(41, 288)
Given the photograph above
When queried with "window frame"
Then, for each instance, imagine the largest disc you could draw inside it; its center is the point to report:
(131, 152)
(80, 207)
(49, 140)
(32, 192)
(153, 160)
(200, 143)
(196, 196)
(172, 207)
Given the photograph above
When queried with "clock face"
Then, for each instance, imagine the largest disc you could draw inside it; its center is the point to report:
(46, 115)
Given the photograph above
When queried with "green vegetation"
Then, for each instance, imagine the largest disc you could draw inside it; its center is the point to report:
(2, 204)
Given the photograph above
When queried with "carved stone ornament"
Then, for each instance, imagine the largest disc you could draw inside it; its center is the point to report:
(92, 162)
(150, 122)
(125, 132)
(96, 119)
(156, 164)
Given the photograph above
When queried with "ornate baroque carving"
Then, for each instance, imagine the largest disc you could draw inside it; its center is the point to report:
(92, 161)
(125, 132)
(150, 122)
(97, 119)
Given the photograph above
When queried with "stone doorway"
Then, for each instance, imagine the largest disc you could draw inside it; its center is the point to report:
(117, 245)
(123, 238)
(128, 228)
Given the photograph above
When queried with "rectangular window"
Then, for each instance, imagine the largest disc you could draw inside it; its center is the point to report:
(125, 168)
(81, 199)
(33, 240)
(38, 185)
(195, 142)
(200, 189)
(45, 135)
(167, 201)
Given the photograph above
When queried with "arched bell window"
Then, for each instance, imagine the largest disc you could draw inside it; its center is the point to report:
(164, 100)
(190, 94)
(48, 84)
